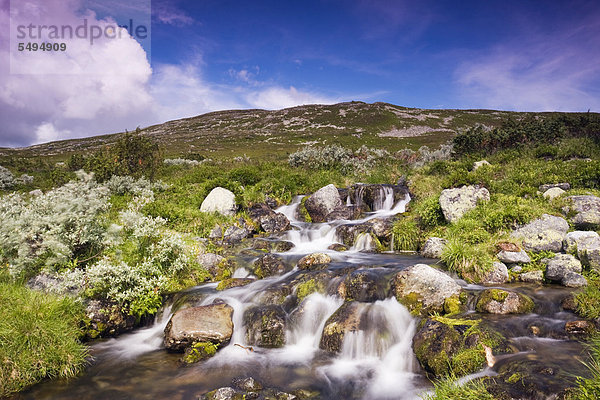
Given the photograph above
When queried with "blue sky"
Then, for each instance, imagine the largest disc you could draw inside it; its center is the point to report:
(209, 55)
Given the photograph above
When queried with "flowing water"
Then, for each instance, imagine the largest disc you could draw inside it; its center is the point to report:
(375, 362)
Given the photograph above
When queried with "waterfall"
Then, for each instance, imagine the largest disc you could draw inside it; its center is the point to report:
(364, 242)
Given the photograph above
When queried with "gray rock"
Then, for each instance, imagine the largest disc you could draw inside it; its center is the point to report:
(345, 319)
(235, 234)
(563, 186)
(212, 323)
(365, 285)
(572, 240)
(479, 164)
(588, 251)
(498, 301)
(214, 263)
(543, 234)
(535, 276)
(247, 384)
(456, 202)
(586, 209)
(434, 247)
(557, 267)
(514, 257)
(216, 232)
(314, 260)
(517, 269)
(269, 265)
(321, 203)
(574, 280)
(269, 220)
(553, 193)
(498, 274)
(219, 200)
(224, 393)
(106, 319)
(430, 286)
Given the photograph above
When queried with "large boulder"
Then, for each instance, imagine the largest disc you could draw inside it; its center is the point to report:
(543, 234)
(498, 301)
(323, 202)
(586, 210)
(559, 265)
(434, 247)
(456, 202)
(269, 220)
(573, 239)
(423, 289)
(345, 319)
(212, 323)
(219, 200)
(265, 326)
(365, 285)
(588, 251)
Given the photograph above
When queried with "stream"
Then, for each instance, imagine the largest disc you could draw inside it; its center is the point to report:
(376, 362)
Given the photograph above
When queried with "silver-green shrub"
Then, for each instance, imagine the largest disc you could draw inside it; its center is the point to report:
(337, 157)
(7, 179)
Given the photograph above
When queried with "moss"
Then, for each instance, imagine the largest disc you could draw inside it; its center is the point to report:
(455, 304)
(307, 288)
(224, 270)
(199, 351)
(498, 295)
(413, 301)
(514, 378)
(303, 212)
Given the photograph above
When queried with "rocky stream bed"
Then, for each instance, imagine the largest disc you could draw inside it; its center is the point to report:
(323, 309)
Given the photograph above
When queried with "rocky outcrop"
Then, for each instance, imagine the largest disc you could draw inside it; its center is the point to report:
(479, 164)
(498, 274)
(323, 202)
(381, 228)
(345, 319)
(586, 210)
(574, 280)
(543, 234)
(265, 326)
(219, 200)
(314, 261)
(456, 202)
(559, 265)
(269, 265)
(535, 276)
(514, 257)
(588, 251)
(434, 247)
(212, 323)
(498, 301)
(423, 289)
(270, 221)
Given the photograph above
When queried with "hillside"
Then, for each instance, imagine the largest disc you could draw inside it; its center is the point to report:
(262, 132)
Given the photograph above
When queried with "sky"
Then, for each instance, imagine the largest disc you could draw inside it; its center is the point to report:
(193, 57)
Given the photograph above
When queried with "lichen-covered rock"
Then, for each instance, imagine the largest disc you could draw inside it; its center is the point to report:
(345, 319)
(212, 323)
(580, 327)
(543, 234)
(321, 203)
(545, 187)
(498, 274)
(559, 265)
(365, 286)
(573, 279)
(514, 257)
(434, 247)
(104, 318)
(588, 251)
(535, 276)
(586, 209)
(218, 266)
(498, 301)
(572, 240)
(269, 265)
(224, 393)
(423, 289)
(235, 234)
(553, 193)
(338, 247)
(248, 384)
(265, 326)
(219, 200)
(233, 283)
(314, 261)
(456, 202)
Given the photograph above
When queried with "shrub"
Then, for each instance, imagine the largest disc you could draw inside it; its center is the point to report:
(181, 161)
(336, 157)
(7, 179)
(429, 212)
(38, 337)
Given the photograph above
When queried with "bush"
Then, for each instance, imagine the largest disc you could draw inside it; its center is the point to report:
(6, 178)
(335, 157)
(38, 338)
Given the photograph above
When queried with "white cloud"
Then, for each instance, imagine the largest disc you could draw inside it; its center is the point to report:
(539, 73)
(278, 97)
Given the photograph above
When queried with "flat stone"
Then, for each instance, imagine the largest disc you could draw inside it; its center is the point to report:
(543, 234)
(557, 267)
(535, 276)
(574, 280)
(513, 257)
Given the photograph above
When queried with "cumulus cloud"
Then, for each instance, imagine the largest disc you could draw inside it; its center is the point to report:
(539, 73)
(110, 86)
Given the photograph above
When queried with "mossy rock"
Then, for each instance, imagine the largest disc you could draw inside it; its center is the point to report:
(498, 301)
(269, 265)
(444, 345)
(265, 326)
(233, 282)
(365, 286)
(199, 351)
(309, 287)
(302, 213)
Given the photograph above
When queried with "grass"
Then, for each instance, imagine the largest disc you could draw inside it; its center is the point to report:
(589, 388)
(449, 389)
(38, 337)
